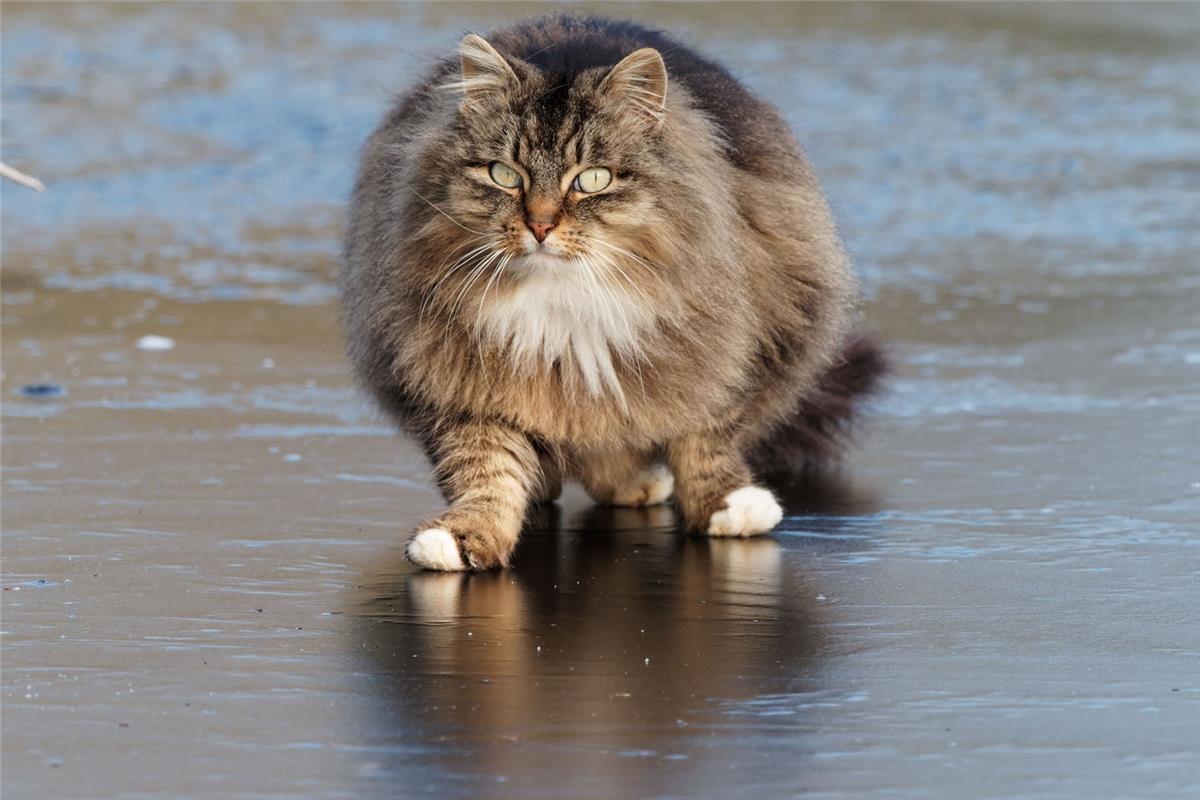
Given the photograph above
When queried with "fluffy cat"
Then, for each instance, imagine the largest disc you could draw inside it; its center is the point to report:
(581, 250)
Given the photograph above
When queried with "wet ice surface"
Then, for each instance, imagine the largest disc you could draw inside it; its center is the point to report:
(204, 586)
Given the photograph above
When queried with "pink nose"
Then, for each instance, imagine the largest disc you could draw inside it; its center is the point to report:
(540, 229)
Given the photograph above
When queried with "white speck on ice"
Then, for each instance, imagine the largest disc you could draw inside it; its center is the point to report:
(153, 342)
(268, 363)
(1192, 358)
(292, 457)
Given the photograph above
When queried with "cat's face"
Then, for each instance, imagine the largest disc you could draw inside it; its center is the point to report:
(553, 174)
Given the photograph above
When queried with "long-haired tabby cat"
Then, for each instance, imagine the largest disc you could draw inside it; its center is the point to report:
(579, 249)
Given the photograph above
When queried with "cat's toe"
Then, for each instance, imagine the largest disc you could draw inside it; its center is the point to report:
(436, 549)
(648, 487)
(748, 511)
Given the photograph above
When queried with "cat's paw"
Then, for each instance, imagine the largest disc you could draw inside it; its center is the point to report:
(648, 487)
(436, 549)
(748, 511)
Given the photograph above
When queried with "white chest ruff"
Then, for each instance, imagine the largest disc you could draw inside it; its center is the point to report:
(564, 312)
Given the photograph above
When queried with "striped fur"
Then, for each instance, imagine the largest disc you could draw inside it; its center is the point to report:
(662, 331)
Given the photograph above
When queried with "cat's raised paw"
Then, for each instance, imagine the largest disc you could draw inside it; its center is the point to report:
(748, 511)
(436, 549)
(648, 487)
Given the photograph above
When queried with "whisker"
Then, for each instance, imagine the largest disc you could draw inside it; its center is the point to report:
(461, 262)
(623, 251)
(612, 262)
(603, 278)
(472, 278)
(603, 274)
(438, 208)
(496, 273)
(589, 274)
(465, 288)
(615, 305)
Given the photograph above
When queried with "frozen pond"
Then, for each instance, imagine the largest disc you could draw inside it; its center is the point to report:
(998, 595)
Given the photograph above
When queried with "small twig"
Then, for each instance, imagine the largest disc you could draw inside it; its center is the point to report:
(17, 176)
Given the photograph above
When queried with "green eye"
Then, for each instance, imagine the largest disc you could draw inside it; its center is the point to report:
(592, 180)
(504, 175)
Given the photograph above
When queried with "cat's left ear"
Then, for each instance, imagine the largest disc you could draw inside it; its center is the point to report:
(640, 81)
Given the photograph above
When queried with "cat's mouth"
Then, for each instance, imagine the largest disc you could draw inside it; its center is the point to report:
(547, 247)
(544, 258)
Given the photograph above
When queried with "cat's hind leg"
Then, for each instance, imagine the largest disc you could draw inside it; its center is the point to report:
(624, 477)
(488, 473)
(548, 486)
(715, 490)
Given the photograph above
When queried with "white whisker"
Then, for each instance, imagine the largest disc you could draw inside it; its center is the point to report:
(459, 263)
(472, 278)
(464, 288)
(496, 273)
(625, 252)
(438, 208)
(612, 262)
(634, 352)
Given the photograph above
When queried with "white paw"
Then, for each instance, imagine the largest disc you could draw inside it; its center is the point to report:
(649, 487)
(435, 548)
(748, 511)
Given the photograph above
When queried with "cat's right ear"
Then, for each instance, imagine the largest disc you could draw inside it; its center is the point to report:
(486, 75)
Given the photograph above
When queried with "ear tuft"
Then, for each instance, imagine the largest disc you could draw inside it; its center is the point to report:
(640, 81)
(485, 73)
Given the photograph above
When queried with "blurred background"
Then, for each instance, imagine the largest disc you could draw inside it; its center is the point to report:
(204, 589)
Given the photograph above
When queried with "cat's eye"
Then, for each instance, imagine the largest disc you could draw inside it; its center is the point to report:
(504, 175)
(592, 180)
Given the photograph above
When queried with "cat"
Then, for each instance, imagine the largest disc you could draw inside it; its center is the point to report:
(580, 250)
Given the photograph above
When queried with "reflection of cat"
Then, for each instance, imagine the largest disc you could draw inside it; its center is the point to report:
(582, 248)
(540, 673)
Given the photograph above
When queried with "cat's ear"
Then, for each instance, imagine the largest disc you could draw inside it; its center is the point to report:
(640, 82)
(485, 73)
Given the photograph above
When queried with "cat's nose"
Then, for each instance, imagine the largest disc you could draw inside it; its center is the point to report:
(541, 228)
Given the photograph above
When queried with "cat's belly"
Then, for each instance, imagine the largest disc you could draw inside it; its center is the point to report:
(641, 416)
(557, 406)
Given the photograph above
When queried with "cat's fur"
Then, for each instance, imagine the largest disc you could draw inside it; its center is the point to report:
(687, 322)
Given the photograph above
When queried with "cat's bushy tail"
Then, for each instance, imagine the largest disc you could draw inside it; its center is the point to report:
(820, 427)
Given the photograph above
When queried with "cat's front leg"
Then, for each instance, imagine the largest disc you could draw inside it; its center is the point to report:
(715, 490)
(487, 472)
(625, 477)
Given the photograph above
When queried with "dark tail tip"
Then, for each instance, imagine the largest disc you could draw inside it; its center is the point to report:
(820, 428)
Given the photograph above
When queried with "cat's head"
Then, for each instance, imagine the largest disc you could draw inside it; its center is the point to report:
(558, 169)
